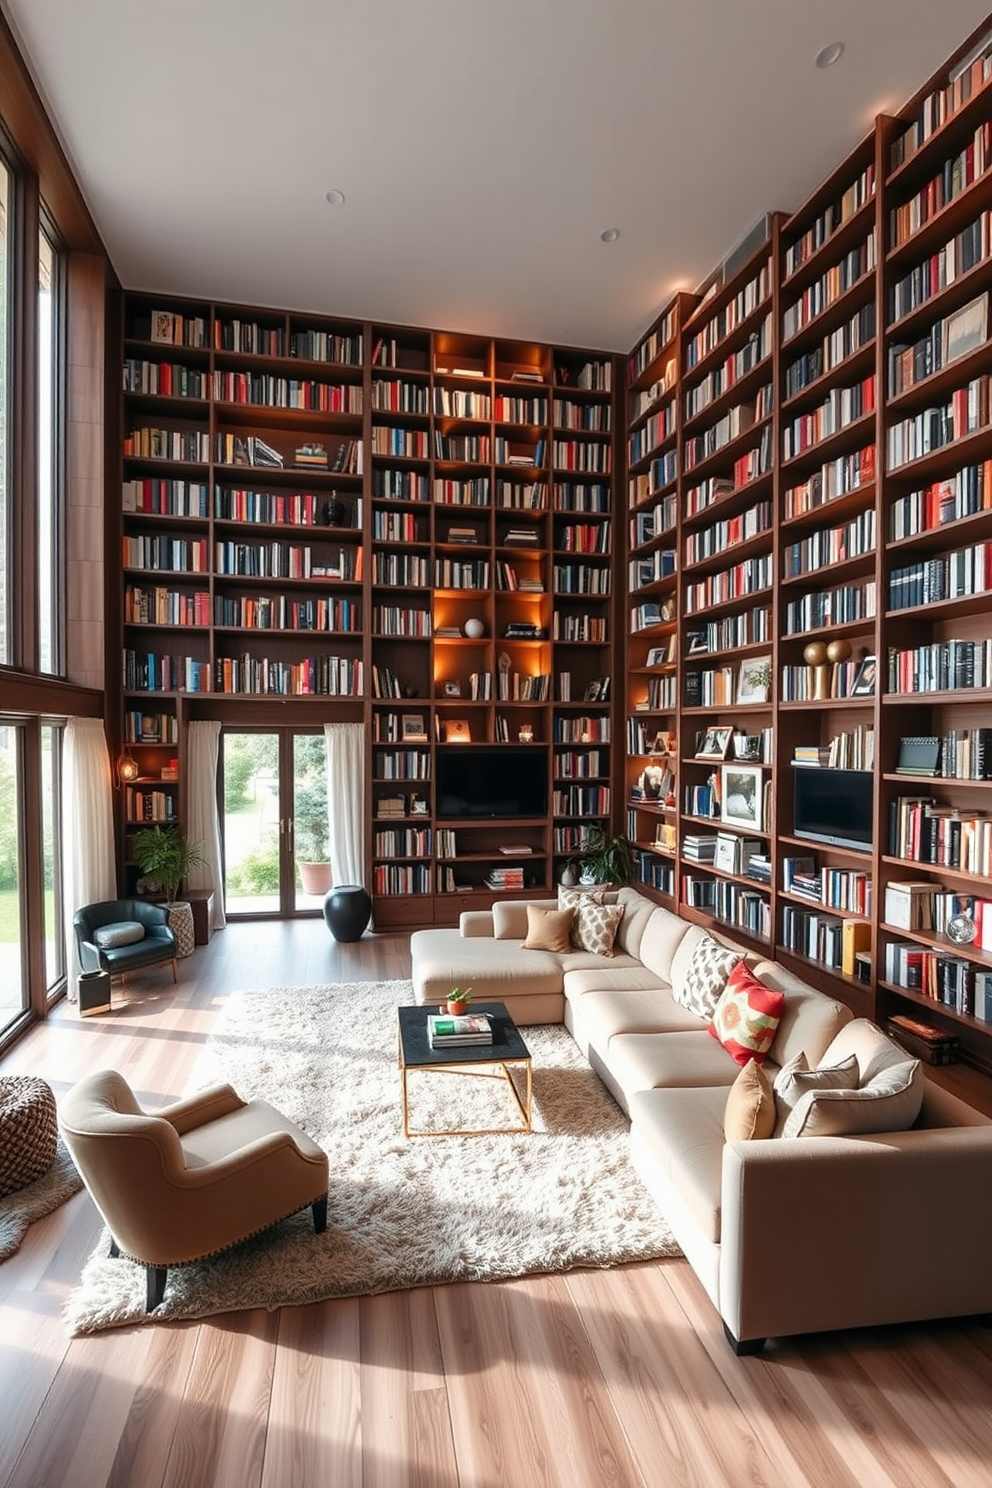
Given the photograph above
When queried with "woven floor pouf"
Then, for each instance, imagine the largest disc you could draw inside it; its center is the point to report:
(29, 1131)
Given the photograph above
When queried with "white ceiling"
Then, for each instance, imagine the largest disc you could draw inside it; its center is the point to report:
(482, 145)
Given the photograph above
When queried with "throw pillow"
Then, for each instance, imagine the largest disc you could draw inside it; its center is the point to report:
(571, 898)
(747, 1015)
(795, 1079)
(750, 1109)
(889, 1102)
(120, 933)
(598, 927)
(705, 976)
(547, 929)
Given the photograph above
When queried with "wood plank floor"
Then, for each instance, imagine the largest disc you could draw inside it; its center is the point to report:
(595, 1378)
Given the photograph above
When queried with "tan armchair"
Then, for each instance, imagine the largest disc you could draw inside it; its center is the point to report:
(192, 1179)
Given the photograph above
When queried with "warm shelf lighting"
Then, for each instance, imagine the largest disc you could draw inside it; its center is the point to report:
(127, 769)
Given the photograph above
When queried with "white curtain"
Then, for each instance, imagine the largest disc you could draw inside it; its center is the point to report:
(203, 822)
(346, 800)
(89, 860)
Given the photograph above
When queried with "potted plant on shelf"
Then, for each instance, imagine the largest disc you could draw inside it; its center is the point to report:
(166, 856)
(605, 859)
(312, 836)
(458, 1001)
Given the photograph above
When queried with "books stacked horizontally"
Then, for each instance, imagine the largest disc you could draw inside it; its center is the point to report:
(447, 1031)
(505, 878)
(699, 847)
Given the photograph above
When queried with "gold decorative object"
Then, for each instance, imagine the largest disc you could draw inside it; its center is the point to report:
(815, 656)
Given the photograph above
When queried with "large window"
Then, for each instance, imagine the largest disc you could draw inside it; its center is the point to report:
(13, 978)
(6, 197)
(51, 825)
(51, 607)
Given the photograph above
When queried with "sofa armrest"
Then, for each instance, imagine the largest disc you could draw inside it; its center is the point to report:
(476, 923)
(208, 1104)
(837, 1232)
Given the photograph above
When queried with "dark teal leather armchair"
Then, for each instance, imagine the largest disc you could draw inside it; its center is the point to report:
(157, 944)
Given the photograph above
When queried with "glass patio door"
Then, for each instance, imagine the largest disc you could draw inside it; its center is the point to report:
(276, 826)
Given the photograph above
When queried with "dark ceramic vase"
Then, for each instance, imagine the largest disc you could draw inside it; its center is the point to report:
(347, 911)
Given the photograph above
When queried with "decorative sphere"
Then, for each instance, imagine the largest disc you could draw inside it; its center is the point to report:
(815, 654)
(474, 629)
(839, 651)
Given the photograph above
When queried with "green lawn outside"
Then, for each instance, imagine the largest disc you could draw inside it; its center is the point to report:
(10, 930)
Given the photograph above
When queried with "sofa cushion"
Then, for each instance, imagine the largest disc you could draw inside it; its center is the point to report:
(746, 1016)
(648, 1061)
(637, 911)
(682, 1130)
(889, 1102)
(442, 959)
(584, 972)
(870, 1046)
(705, 976)
(119, 933)
(809, 1019)
(510, 917)
(595, 1017)
(662, 938)
(548, 929)
(796, 1079)
(750, 1109)
(598, 926)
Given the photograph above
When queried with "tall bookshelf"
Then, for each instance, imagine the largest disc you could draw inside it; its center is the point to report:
(857, 561)
(405, 526)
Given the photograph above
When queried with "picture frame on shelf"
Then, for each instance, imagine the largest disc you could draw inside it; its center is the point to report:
(965, 330)
(451, 689)
(657, 656)
(714, 743)
(741, 796)
(865, 677)
(163, 326)
(412, 728)
(754, 680)
(457, 731)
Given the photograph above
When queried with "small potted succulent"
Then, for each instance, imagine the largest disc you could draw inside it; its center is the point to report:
(458, 1001)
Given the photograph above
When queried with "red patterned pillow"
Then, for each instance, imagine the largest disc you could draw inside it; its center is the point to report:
(747, 1015)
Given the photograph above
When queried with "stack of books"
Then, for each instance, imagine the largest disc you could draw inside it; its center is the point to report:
(697, 848)
(311, 456)
(811, 754)
(910, 905)
(446, 1031)
(505, 878)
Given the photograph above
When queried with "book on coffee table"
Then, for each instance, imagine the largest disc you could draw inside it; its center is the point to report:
(447, 1031)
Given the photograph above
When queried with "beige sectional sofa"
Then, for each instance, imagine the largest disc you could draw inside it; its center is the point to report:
(787, 1235)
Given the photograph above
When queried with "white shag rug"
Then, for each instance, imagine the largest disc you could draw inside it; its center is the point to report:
(18, 1210)
(401, 1213)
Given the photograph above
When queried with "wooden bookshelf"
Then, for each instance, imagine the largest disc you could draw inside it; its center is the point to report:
(411, 527)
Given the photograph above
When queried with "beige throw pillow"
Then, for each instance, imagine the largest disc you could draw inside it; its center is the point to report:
(795, 1079)
(889, 1102)
(548, 929)
(750, 1109)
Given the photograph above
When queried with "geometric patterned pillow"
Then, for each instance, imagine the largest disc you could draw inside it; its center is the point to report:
(747, 1015)
(705, 977)
(569, 898)
(598, 926)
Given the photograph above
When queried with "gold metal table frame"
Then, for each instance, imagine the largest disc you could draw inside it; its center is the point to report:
(478, 1061)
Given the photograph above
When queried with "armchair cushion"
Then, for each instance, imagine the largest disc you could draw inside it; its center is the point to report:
(121, 933)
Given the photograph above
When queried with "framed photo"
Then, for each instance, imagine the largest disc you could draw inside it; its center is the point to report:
(657, 656)
(457, 731)
(755, 680)
(412, 727)
(965, 330)
(864, 678)
(452, 689)
(715, 743)
(741, 796)
(163, 326)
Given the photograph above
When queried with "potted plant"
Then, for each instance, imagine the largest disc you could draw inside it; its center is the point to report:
(605, 859)
(166, 856)
(312, 836)
(458, 1001)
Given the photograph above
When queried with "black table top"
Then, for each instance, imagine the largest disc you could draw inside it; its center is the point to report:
(415, 1044)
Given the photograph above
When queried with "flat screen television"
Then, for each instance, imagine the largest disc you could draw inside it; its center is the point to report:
(833, 806)
(473, 781)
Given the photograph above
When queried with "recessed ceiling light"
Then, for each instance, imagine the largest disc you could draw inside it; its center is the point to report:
(610, 234)
(335, 197)
(828, 55)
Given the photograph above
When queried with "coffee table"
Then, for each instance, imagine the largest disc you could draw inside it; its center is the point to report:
(495, 1061)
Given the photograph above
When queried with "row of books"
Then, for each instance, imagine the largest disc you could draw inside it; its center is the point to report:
(921, 905)
(952, 980)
